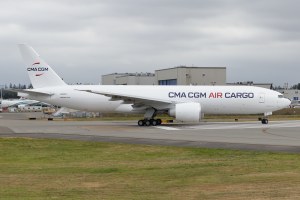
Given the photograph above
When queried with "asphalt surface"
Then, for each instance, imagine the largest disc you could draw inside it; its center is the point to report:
(281, 136)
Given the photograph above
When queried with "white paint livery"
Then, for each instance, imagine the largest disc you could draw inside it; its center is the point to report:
(185, 103)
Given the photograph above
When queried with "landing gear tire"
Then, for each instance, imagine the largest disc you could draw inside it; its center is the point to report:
(153, 122)
(147, 122)
(264, 121)
(141, 123)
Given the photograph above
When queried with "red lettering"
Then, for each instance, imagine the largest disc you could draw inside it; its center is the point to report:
(215, 95)
(219, 95)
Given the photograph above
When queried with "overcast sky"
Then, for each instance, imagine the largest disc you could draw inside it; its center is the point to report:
(257, 40)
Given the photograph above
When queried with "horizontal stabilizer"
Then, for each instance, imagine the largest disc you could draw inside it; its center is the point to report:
(30, 92)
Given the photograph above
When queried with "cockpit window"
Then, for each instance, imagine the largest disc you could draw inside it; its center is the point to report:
(280, 96)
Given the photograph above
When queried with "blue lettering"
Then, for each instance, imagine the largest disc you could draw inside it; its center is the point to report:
(239, 95)
(190, 95)
(37, 69)
(171, 94)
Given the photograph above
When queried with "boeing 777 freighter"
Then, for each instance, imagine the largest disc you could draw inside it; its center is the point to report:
(184, 103)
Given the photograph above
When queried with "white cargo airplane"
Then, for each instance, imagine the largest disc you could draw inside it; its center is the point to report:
(185, 103)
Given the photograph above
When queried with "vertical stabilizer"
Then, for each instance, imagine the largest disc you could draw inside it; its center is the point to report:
(40, 73)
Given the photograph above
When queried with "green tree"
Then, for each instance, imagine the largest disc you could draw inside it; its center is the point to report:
(296, 87)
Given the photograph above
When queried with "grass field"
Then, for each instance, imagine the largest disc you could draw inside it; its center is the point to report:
(62, 169)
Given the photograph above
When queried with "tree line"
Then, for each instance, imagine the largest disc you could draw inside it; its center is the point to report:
(5, 94)
(296, 87)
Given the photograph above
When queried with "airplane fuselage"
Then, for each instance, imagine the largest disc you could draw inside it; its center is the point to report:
(213, 99)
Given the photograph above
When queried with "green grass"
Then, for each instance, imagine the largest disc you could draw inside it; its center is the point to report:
(62, 169)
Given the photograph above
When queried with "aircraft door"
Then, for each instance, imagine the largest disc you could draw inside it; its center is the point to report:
(261, 98)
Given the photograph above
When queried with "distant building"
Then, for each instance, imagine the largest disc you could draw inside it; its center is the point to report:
(110, 79)
(129, 79)
(293, 95)
(183, 75)
(263, 85)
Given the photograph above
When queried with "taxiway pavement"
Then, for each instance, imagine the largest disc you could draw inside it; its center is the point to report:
(275, 136)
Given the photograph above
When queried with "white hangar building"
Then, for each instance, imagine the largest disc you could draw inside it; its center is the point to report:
(181, 75)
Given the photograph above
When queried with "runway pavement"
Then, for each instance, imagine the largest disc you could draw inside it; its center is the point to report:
(275, 136)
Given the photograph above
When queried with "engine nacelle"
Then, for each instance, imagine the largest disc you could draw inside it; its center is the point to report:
(187, 112)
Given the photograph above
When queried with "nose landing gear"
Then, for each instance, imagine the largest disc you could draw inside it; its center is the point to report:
(265, 121)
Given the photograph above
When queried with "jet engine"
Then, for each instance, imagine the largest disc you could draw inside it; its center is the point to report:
(187, 112)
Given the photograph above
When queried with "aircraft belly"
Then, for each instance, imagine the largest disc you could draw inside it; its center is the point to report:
(233, 108)
(92, 106)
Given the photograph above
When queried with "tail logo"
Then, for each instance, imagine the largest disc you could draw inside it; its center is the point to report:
(36, 63)
(37, 69)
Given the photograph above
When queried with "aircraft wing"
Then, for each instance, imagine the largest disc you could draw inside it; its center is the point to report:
(137, 101)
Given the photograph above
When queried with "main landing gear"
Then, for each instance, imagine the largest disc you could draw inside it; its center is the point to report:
(149, 122)
(149, 118)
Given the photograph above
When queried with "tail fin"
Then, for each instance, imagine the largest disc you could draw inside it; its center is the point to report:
(40, 73)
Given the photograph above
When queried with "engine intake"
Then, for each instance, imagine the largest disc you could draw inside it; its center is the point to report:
(187, 112)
